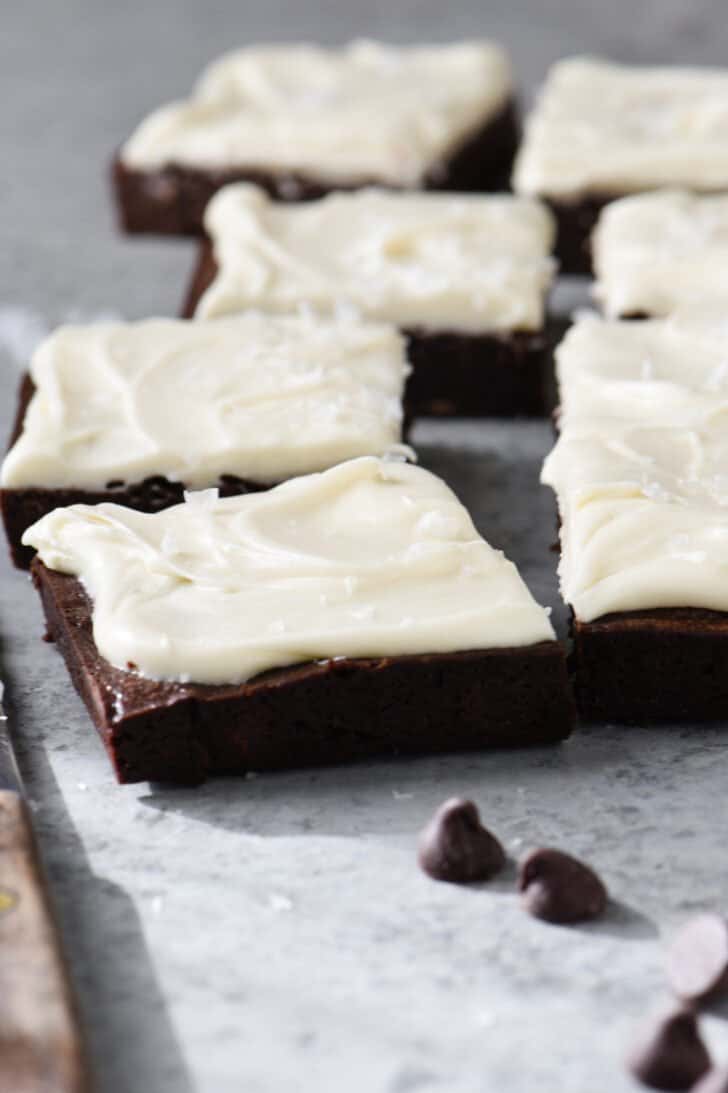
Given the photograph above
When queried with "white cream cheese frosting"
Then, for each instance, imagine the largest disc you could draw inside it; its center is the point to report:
(366, 111)
(640, 466)
(602, 128)
(636, 532)
(370, 558)
(660, 371)
(436, 261)
(256, 396)
(656, 252)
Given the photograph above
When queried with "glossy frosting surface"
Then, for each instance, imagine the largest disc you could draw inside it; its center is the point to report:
(367, 112)
(370, 558)
(257, 396)
(664, 371)
(657, 252)
(435, 261)
(607, 129)
(639, 468)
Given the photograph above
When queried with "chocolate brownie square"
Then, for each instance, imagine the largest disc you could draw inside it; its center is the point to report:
(639, 474)
(343, 615)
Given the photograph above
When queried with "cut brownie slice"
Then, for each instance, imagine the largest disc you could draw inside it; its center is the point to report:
(347, 614)
(301, 121)
(464, 278)
(658, 252)
(639, 474)
(138, 412)
(601, 131)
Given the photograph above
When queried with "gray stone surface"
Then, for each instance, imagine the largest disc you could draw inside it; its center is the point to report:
(274, 934)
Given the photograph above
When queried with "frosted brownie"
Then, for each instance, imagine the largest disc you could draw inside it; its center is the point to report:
(303, 120)
(661, 251)
(601, 131)
(351, 613)
(464, 277)
(639, 475)
(139, 412)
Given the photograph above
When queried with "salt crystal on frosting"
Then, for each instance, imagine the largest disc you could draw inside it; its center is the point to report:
(202, 498)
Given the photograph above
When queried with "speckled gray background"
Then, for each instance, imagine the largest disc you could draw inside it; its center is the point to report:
(274, 934)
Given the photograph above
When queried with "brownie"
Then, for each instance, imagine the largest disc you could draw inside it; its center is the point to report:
(22, 507)
(172, 200)
(627, 506)
(453, 373)
(652, 667)
(325, 712)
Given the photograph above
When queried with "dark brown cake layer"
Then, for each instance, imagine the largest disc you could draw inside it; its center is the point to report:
(466, 375)
(172, 200)
(22, 507)
(652, 667)
(477, 375)
(330, 711)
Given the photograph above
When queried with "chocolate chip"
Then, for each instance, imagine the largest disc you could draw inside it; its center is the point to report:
(697, 959)
(671, 1054)
(715, 1081)
(456, 847)
(558, 888)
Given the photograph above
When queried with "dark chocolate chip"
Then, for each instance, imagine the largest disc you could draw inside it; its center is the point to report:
(456, 847)
(558, 888)
(715, 1081)
(697, 959)
(670, 1055)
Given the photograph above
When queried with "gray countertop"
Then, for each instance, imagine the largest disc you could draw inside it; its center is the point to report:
(274, 933)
